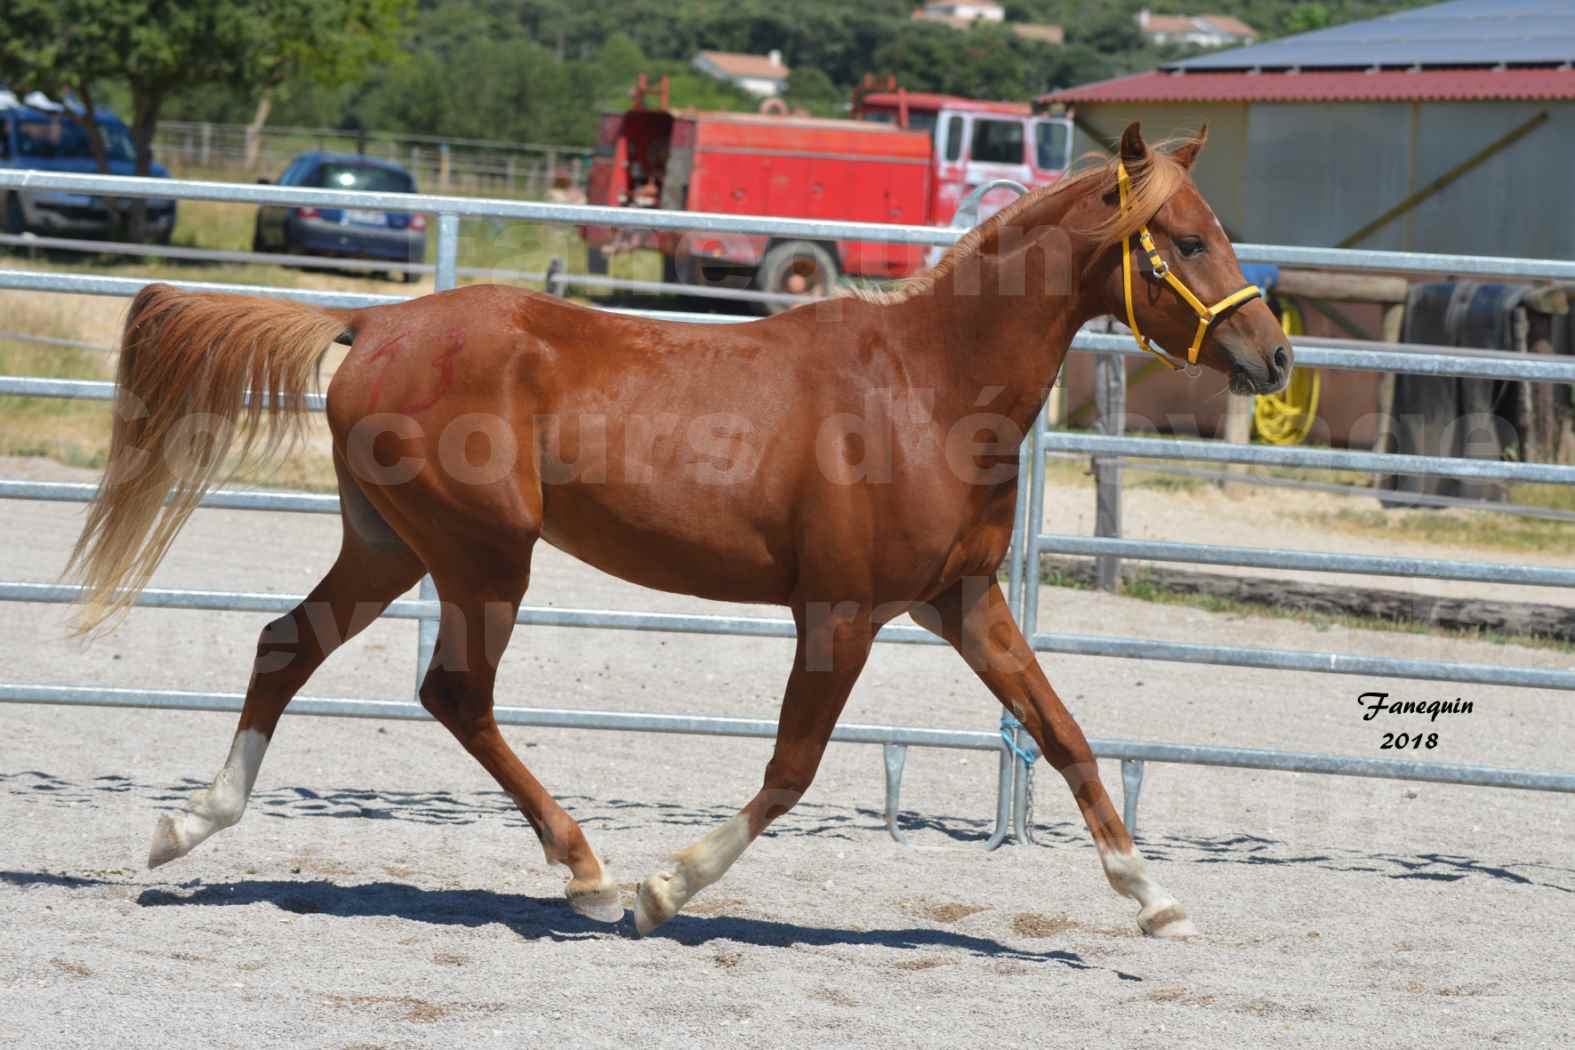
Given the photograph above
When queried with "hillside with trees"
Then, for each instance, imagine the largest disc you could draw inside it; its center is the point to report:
(541, 70)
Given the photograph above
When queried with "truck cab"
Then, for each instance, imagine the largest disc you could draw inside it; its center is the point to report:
(976, 142)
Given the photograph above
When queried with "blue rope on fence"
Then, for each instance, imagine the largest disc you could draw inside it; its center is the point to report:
(1028, 755)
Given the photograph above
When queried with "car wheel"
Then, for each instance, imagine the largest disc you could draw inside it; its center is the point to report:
(257, 239)
(410, 276)
(15, 218)
(796, 268)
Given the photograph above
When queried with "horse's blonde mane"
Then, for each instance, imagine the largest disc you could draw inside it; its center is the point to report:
(1153, 180)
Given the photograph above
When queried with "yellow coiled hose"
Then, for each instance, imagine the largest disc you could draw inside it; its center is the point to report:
(1287, 418)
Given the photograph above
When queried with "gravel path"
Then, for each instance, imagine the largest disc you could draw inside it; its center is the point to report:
(1336, 912)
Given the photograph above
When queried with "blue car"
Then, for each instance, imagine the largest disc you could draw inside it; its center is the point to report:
(52, 139)
(352, 233)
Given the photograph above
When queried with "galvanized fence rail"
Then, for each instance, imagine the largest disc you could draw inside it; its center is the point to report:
(1013, 784)
(554, 281)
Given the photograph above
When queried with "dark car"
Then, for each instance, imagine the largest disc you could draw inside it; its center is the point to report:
(352, 233)
(53, 140)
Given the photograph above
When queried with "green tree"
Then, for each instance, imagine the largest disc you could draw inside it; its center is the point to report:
(1113, 31)
(809, 88)
(158, 48)
(1305, 17)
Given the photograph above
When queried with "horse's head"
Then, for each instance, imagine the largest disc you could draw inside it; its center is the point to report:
(1175, 278)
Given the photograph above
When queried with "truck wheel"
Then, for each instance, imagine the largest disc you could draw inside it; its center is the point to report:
(15, 220)
(796, 268)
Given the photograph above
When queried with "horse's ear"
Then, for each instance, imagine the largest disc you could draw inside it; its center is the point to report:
(1187, 155)
(1133, 148)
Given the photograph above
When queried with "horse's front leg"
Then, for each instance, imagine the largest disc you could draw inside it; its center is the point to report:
(974, 617)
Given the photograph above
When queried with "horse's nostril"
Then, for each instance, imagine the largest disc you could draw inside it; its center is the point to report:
(1281, 359)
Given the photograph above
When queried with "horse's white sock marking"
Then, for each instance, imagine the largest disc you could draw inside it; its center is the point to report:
(692, 870)
(1161, 914)
(217, 807)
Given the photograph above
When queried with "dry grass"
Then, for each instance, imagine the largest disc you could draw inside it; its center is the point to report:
(1465, 528)
(1147, 589)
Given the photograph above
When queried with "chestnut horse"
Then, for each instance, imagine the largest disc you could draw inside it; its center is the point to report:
(852, 460)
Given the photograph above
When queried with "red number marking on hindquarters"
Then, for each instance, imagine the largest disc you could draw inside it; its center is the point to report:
(444, 363)
(389, 350)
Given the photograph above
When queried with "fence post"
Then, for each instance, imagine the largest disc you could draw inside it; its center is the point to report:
(447, 265)
(207, 142)
(1131, 787)
(443, 163)
(1110, 394)
(1238, 431)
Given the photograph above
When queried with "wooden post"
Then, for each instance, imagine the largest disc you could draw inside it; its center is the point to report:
(1110, 393)
(207, 142)
(1056, 415)
(555, 285)
(509, 167)
(1238, 431)
(443, 169)
(1394, 322)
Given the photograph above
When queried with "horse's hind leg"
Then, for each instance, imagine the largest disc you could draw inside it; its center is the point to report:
(373, 568)
(975, 619)
(477, 621)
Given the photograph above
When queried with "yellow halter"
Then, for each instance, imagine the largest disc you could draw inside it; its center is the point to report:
(1157, 268)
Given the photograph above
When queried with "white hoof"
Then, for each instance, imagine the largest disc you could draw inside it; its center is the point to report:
(167, 843)
(600, 902)
(656, 902)
(1167, 919)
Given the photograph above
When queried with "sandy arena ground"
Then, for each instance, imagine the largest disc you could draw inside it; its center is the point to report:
(1336, 912)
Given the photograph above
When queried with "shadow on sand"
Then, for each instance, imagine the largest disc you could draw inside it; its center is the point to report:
(541, 918)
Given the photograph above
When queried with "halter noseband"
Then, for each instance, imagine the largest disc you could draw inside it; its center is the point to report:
(1157, 268)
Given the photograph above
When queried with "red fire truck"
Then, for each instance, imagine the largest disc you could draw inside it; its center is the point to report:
(904, 157)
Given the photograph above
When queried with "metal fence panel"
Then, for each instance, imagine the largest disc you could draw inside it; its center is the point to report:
(1012, 779)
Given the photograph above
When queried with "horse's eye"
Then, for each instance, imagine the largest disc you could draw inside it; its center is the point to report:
(1190, 246)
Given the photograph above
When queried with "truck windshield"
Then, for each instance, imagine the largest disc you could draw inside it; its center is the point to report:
(918, 119)
(997, 141)
(45, 138)
(1052, 145)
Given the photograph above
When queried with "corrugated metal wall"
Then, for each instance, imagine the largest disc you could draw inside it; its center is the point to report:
(1315, 173)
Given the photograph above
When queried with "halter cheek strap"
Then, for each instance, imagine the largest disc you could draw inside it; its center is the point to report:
(1155, 267)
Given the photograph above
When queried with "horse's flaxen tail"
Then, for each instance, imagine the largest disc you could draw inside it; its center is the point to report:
(195, 369)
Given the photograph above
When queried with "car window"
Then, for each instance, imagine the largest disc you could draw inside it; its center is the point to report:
(5, 140)
(51, 137)
(336, 175)
(954, 137)
(1052, 145)
(998, 141)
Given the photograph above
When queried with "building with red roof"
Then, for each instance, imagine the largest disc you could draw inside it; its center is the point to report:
(1448, 128)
